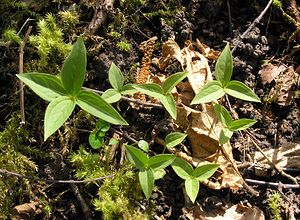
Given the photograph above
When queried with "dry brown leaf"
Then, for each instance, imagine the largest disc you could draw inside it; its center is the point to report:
(269, 72)
(170, 49)
(286, 156)
(282, 93)
(203, 131)
(186, 93)
(234, 212)
(285, 80)
(193, 61)
(197, 66)
(207, 51)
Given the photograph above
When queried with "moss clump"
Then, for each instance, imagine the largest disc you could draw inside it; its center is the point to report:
(274, 204)
(116, 195)
(277, 4)
(11, 35)
(12, 189)
(49, 42)
(124, 46)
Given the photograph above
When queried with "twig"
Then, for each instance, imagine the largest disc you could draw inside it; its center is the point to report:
(286, 186)
(124, 134)
(136, 101)
(229, 17)
(27, 20)
(85, 208)
(253, 24)
(21, 68)
(31, 178)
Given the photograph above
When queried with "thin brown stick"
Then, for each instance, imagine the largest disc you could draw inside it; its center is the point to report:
(21, 68)
(85, 208)
(253, 24)
(31, 178)
(286, 186)
(229, 17)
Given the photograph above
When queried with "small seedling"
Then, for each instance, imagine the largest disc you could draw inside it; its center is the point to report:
(163, 93)
(215, 89)
(116, 79)
(150, 169)
(230, 125)
(65, 91)
(193, 176)
(96, 137)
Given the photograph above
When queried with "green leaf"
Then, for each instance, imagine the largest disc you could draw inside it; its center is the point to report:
(158, 174)
(222, 114)
(115, 77)
(47, 86)
(173, 80)
(192, 188)
(169, 104)
(57, 112)
(211, 91)
(174, 139)
(239, 90)
(182, 168)
(205, 171)
(143, 145)
(241, 124)
(74, 67)
(146, 178)
(101, 134)
(95, 140)
(128, 89)
(225, 135)
(161, 161)
(224, 66)
(113, 141)
(111, 96)
(95, 105)
(151, 89)
(136, 157)
(103, 126)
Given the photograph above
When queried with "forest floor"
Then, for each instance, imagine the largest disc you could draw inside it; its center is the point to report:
(134, 35)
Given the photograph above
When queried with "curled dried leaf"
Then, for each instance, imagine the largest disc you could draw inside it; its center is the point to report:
(269, 72)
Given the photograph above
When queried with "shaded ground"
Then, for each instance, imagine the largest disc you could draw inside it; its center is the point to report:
(135, 22)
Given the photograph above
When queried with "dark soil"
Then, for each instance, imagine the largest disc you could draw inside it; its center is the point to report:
(138, 21)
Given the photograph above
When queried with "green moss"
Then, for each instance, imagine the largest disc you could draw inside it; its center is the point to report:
(274, 203)
(116, 196)
(277, 4)
(49, 42)
(11, 35)
(69, 19)
(124, 45)
(11, 188)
